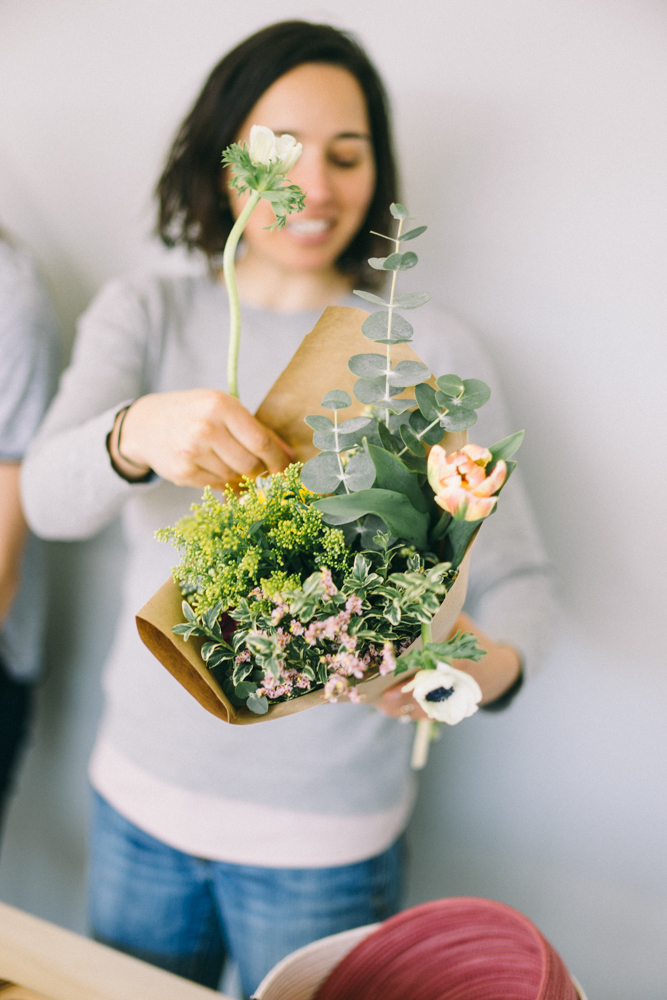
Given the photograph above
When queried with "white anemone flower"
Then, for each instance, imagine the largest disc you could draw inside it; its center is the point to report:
(288, 151)
(266, 148)
(262, 147)
(446, 694)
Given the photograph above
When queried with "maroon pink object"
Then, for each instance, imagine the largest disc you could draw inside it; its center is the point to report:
(452, 949)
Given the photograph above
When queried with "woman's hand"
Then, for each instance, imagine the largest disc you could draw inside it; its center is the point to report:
(495, 673)
(195, 437)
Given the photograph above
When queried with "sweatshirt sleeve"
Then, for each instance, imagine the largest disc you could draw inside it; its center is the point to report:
(28, 351)
(510, 589)
(70, 489)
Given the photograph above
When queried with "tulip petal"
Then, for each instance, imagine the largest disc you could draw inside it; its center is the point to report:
(435, 466)
(477, 454)
(451, 499)
(479, 507)
(493, 482)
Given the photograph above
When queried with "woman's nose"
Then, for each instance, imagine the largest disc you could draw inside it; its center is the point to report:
(312, 175)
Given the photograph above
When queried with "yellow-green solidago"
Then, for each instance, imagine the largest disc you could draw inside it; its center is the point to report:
(270, 537)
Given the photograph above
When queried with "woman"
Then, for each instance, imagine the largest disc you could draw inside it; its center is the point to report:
(210, 838)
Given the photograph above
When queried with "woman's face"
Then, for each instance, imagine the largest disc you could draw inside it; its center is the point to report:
(323, 106)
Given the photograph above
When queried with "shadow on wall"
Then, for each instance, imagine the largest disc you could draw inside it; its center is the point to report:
(43, 859)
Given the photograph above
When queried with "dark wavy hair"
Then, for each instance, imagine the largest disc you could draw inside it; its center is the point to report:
(195, 212)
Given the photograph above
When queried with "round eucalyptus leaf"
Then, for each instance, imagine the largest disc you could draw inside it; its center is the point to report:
(411, 300)
(459, 419)
(369, 297)
(353, 424)
(368, 365)
(476, 394)
(413, 233)
(369, 390)
(451, 403)
(411, 441)
(408, 260)
(322, 473)
(376, 327)
(337, 399)
(425, 396)
(451, 384)
(329, 441)
(398, 211)
(377, 263)
(393, 262)
(360, 472)
(401, 405)
(319, 423)
(419, 423)
(408, 373)
(259, 706)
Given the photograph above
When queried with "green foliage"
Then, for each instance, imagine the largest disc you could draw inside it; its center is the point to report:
(314, 631)
(269, 182)
(462, 646)
(402, 519)
(266, 538)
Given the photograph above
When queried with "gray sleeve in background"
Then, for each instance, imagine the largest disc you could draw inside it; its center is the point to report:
(29, 355)
(70, 489)
(29, 351)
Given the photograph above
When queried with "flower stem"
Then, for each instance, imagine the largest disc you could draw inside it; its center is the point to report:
(233, 292)
(424, 729)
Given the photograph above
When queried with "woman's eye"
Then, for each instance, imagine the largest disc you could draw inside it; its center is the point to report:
(345, 161)
(347, 156)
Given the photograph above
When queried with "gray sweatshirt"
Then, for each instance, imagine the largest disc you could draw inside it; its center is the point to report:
(327, 786)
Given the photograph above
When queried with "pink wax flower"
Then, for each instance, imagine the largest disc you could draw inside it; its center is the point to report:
(388, 664)
(460, 482)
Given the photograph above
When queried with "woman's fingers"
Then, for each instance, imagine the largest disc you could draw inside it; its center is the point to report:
(196, 438)
(397, 704)
(257, 439)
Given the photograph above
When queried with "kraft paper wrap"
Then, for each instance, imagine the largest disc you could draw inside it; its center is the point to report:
(319, 365)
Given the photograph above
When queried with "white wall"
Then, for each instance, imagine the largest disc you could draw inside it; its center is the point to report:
(533, 143)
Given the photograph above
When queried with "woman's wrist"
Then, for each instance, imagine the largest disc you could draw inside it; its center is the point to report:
(125, 465)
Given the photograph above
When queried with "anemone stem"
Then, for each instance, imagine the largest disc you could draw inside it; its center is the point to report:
(233, 292)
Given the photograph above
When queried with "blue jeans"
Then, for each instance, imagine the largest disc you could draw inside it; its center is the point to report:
(186, 914)
(15, 708)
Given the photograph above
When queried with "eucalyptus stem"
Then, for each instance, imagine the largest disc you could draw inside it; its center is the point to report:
(340, 460)
(390, 313)
(420, 435)
(228, 258)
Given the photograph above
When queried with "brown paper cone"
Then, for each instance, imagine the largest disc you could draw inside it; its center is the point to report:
(10, 991)
(295, 394)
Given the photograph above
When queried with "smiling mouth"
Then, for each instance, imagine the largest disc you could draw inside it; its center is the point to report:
(308, 227)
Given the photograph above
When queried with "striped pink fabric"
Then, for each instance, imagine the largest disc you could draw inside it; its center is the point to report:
(452, 949)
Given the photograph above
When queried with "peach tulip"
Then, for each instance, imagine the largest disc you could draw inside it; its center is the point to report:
(460, 482)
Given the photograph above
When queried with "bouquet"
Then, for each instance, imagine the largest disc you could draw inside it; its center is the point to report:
(332, 579)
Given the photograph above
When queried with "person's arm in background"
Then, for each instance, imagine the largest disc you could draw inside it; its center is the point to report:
(13, 534)
(28, 361)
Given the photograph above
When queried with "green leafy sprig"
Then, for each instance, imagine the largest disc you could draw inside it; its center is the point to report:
(374, 466)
